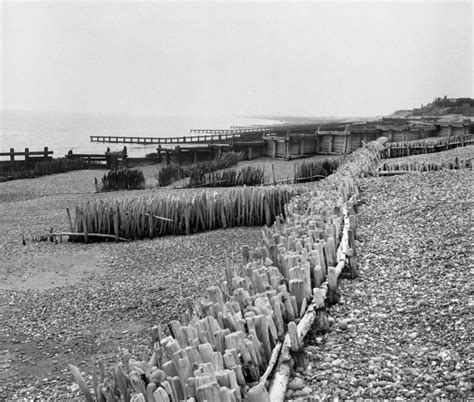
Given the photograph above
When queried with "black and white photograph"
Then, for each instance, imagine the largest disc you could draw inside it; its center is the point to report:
(236, 201)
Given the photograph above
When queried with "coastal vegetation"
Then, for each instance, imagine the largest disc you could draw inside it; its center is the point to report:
(246, 176)
(168, 174)
(315, 170)
(125, 179)
(44, 168)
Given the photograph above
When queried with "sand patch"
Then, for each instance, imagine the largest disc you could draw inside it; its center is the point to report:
(50, 271)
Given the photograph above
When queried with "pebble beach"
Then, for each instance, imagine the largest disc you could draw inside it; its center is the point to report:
(401, 330)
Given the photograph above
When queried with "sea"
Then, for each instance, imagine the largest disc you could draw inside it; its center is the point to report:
(61, 132)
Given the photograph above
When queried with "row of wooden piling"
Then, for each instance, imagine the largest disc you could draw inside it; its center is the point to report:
(389, 168)
(226, 346)
(429, 145)
(149, 217)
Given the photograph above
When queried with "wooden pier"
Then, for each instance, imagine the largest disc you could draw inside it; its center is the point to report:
(233, 130)
(196, 139)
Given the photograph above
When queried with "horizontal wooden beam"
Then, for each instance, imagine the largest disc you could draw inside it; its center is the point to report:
(31, 153)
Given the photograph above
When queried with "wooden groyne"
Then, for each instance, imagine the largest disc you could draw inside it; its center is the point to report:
(112, 160)
(407, 148)
(227, 345)
(19, 160)
(36, 156)
(293, 141)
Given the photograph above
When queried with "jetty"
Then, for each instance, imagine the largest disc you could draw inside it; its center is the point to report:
(197, 139)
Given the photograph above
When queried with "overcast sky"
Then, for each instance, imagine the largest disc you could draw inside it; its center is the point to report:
(310, 58)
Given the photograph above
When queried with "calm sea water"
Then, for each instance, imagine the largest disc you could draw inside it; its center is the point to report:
(62, 132)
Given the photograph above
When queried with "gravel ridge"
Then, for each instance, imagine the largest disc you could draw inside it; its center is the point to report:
(404, 328)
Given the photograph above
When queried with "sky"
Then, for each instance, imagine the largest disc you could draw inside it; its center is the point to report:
(234, 58)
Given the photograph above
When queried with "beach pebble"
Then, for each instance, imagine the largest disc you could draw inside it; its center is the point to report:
(296, 384)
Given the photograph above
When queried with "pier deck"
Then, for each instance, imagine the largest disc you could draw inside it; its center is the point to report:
(196, 139)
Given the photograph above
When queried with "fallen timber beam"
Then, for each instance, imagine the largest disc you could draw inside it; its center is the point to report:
(393, 172)
(88, 234)
(280, 381)
(159, 217)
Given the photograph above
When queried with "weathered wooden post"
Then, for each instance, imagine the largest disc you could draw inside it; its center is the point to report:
(108, 158)
(125, 157)
(331, 143)
(346, 139)
(12, 155)
(45, 153)
(274, 149)
(466, 125)
(27, 154)
(317, 145)
(302, 145)
(178, 154)
(286, 154)
(158, 153)
(450, 131)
